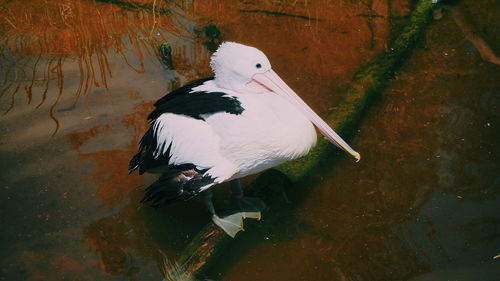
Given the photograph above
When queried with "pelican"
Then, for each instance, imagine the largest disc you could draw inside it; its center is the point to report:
(240, 122)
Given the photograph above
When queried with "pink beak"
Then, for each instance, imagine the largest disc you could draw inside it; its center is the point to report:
(273, 82)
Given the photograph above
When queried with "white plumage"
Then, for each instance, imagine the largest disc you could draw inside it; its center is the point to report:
(269, 132)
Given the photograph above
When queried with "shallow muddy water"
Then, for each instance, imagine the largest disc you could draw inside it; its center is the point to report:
(78, 78)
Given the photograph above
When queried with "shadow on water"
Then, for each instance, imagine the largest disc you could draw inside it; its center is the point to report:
(78, 79)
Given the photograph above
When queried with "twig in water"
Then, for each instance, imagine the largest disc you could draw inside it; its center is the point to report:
(280, 14)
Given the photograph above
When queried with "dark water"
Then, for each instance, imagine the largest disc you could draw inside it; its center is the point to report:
(78, 79)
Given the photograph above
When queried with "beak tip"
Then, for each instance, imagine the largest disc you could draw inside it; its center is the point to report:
(357, 156)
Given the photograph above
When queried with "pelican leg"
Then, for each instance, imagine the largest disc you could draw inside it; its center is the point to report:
(207, 198)
(236, 190)
(231, 224)
(249, 207)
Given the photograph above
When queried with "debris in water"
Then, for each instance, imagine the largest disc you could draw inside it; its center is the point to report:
(165, 51)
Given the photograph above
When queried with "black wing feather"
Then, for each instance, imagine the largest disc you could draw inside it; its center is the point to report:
(178, 182)
(181, 182)
(196, 104)
(181, 91)
(181, 101)
(145, 159)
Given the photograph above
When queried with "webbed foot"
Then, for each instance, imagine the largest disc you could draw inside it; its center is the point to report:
(231, 224)
(231, 220)
(250, 207)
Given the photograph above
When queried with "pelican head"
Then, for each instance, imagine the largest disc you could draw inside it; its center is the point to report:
(234, 66)
(242, 68)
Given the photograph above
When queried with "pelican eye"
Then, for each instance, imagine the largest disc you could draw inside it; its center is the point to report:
(258, 65)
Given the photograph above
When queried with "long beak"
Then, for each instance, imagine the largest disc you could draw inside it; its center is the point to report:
(273, 82)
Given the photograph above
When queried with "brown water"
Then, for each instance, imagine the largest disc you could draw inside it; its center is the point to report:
(78, 79)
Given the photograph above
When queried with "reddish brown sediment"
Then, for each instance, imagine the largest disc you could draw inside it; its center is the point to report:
(432, 133)
(368, 82)
(77, 139)
(111, 176)
(337, 49)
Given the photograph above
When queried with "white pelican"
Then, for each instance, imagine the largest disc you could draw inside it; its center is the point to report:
(240, 122)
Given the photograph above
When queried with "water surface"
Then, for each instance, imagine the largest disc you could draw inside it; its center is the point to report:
(78, 79)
